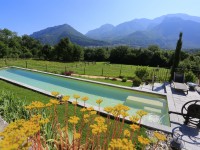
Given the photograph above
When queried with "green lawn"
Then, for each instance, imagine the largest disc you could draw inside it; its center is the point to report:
(99, 68)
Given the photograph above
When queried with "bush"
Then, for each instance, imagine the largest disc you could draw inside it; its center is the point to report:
(124, 79)
(114, 79)
(136, 81)
(68, 73)
(190, 77)
(141, 73)
(121, 77)
(11, 108)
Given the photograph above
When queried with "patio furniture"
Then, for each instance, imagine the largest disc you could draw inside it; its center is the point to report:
(179, 82)
(192, 85)
(190, 112)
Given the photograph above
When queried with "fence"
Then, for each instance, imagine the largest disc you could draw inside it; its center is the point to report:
(89, 68)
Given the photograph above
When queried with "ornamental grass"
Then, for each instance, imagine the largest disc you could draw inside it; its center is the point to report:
(89, 130)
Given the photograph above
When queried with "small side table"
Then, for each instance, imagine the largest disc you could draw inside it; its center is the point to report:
(192, 85)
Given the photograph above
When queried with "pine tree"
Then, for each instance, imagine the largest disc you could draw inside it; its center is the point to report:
(176, 55)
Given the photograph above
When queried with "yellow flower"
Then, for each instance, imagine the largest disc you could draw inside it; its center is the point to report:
(83, 110)
(76, 96)
(48, 104)
(121, 144)
(74, 102)
(77, 136)
(141, 113)
(160, 136)
(85, 98)
(86, 116)
(99, 127)
(144, 141)
(127, 133)
(124, 114)
(108, 109)
(74, 119)
(55, 93)
(99, 101)
(90, 108)
(134, 127)
(134, 118)
(35, 105)
(93, 112)
(65, 98)
(54, 101)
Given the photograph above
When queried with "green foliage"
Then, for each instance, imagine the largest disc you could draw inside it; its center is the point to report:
(176, 55)
(66, 51)
(11, 108)
(124, 79)
(141, 73)
(190, 77)
(136, 81)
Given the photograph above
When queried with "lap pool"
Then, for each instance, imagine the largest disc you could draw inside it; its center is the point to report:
(155, 104)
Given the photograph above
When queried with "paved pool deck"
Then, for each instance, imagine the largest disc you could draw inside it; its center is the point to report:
(188, 135)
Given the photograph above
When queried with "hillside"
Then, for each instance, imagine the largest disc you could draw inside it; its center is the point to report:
(162, 31)
(166, 34)
(52, 36)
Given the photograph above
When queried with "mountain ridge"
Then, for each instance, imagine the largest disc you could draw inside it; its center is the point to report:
(52, 35)
(162, 31)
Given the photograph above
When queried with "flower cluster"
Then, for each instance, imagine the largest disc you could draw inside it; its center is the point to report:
(54, 93)
(99, 127)
(35, 105)
(17, 133)
(74, 119)
(122, 144)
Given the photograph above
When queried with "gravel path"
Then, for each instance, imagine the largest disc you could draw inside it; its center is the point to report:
(3, 124)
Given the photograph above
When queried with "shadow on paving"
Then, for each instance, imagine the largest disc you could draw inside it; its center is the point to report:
(187, 135)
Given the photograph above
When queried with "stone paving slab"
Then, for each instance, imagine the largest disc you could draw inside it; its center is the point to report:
(190, 136)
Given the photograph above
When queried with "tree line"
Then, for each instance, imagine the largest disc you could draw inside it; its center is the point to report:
(14, 46)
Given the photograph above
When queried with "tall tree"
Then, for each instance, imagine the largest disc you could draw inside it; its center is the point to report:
(176, 55)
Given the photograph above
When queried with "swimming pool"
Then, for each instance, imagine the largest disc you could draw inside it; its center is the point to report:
(156, 105)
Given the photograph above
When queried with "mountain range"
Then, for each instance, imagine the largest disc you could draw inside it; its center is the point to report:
(163, 31)
(53, 35)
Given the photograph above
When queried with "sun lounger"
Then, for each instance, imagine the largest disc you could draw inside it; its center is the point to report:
(179, 82)
(181, 86)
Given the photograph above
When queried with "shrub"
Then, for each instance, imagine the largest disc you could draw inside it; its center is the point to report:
(68, 73)
(114, 79)
(190, 77)
(124, 79)
(11, 108)
(121, 77)
(137, 81)
(141, 73)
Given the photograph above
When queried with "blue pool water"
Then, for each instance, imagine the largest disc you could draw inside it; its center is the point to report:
(110, 95)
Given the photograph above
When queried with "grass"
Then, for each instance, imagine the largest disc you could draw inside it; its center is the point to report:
(98, 68)
(129, 84)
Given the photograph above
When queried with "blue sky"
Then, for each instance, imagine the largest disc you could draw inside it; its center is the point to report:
(28, 16)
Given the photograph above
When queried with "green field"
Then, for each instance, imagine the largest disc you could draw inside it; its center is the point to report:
(88, 68)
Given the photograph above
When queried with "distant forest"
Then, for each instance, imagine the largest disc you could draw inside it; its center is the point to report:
(14, 46)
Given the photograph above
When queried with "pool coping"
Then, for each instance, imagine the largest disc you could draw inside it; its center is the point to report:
(149, 125)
